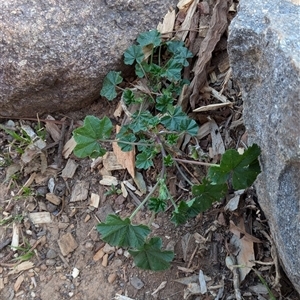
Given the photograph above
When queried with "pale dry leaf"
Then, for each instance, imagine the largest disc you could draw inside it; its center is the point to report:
(109, 180)
(217, 141)
(183, 30)
(15, 237)
(126, 159)
(40, 217)
(110, 161)
(26, 265)
(118, 111)
(184, 4)
(167, 26)
(18, 283)
(212, 107)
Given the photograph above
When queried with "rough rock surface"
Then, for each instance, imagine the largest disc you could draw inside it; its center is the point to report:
(54, 54)
(264, 47)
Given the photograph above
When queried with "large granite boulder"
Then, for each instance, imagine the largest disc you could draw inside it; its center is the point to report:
(54, 54)
(264, 48)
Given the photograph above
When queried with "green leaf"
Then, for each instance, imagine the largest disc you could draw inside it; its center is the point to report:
(163, 101)
(190, 126)
(122, 233)
(172, 138)
(151, 257)
(125, 135)
(87, 136)
(144, 160)
(172, 70)
(142, 121)
(157, 204)
(151, 37)
(132, 54)
(111, 80)
(181, 214)
(141, 69)
(168, 161)
(242, 169)
(174, 118)
(128, 97)
(205, 195)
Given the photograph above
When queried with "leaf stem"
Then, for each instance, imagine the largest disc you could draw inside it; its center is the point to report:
(196, 162)
(145, 200)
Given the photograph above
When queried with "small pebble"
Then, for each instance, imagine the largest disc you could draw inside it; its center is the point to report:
(42, 191)
(136, 282)
(112, 278)
(43, 267)
(51, 254)
(89, 245)
(51, 207)
(50, 262)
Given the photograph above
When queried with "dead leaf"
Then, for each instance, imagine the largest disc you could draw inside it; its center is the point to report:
(126, 159)
(110, 161)
(53, 129)
(167, 26)
(186, 25)
(80, 191)
(217, 27)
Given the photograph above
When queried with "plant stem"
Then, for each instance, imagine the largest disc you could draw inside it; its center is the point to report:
(145, 200)
(196, 162)
(125, 142)
(183, 175)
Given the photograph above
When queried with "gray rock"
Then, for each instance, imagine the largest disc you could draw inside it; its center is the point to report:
(136, 282)
(264, 47)
(51, 254)
(54, 55)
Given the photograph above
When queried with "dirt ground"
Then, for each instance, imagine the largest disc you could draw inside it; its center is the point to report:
(60, 255)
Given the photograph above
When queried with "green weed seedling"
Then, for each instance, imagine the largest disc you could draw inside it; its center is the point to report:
(154, 127)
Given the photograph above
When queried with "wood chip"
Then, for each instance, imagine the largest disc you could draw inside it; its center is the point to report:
(95, 200)
(80, 191)
(68, 148)
(99, 254)
(109, 180)
(15, 237)
(105, 260)
(67, 244)
(40, 217)
(53, 198)
(18, 283)
(53, 129)
(69, 170)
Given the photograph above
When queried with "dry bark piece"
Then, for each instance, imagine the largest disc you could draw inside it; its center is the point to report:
(40, 217)
(18, 283)
(52, 129)
(70, 169)
(53, 198)
(111, 161)
(80, 191)
(99, 254)
(218, 26)
(109, 180)
(105, 260)
(67, 244)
